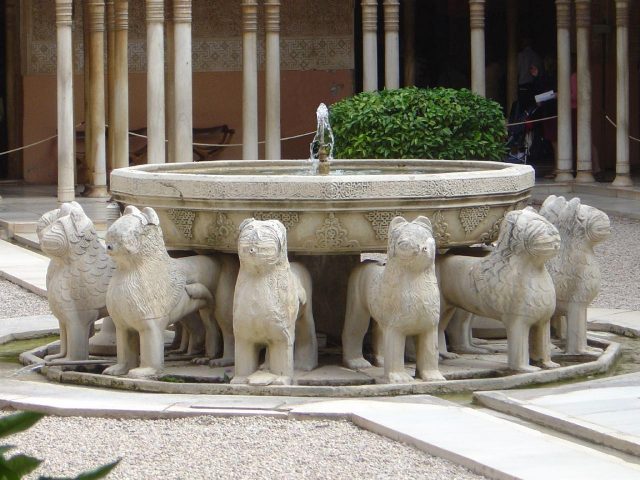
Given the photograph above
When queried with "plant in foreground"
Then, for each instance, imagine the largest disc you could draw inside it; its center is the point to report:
(17, 466)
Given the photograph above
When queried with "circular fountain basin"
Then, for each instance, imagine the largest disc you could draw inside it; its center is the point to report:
(348, 211)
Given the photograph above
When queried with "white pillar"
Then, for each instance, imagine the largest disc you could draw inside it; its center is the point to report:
(155, 82)
(564, 153)
(583, 43)
(66, 160)
(111, 89)
(170, 83)
(370, 45)
(391, 44)
(249, 80)
(183, 90)
(478, 71)
(272, 128)
(120, 128)
(512, 53)
(622, 94)
(98, 172)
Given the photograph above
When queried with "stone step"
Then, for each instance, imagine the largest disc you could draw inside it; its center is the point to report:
(24, 267)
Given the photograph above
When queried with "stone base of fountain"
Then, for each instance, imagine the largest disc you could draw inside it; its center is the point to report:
(465, 374)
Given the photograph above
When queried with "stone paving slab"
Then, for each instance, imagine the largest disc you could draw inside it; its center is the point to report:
(605, 411)
(481, 442)
(620, 322)
(24, 267)
(22, 328)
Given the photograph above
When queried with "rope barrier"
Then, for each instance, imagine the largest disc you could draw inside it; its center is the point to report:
(33, 144)
(616, 126)
(196, 144)
(531, 121)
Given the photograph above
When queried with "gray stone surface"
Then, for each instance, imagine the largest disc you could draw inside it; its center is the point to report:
(604, 411)
(484, 443)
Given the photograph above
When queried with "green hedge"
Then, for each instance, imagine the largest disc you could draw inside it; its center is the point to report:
(440, 123)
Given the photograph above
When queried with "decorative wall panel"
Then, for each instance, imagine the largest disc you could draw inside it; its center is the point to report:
(315, 35)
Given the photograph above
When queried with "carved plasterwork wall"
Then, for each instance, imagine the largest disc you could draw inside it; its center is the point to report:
(315, 35)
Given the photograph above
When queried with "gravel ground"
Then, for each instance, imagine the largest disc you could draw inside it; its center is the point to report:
(230, 448)
(15, 301)
(619, 260)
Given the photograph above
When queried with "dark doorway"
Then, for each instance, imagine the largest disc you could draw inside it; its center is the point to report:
(4, 159)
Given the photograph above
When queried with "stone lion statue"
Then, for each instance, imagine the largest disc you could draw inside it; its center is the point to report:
(272, 307)
(150, 290)
(510, 284)
(575, 272)
(403, 298)
(77, 277)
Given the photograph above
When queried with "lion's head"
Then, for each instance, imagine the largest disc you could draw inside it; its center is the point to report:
(412, 243)
(575, 220)
(64, 229)
(262, 243)
(135, 234)
(525, 231)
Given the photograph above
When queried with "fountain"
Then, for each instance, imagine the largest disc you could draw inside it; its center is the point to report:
(333, 211)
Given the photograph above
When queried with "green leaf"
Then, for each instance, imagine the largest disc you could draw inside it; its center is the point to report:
(22, 464)
(18, 422)
(99, 472)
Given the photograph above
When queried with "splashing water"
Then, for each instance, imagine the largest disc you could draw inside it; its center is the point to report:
(324, 135)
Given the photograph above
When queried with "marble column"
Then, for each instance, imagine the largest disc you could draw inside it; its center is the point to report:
(250, 79)
(86, 88)
(391, 44)
(120, 128)
(155, 82)
(272, 32)
(369, 45)
(111, 84)
(478, 71)
(512, 52)
(183, 87)
(96, 118)
(583, 45)
(170, 82)
(622, 94)
(564, 151)
(64, 80)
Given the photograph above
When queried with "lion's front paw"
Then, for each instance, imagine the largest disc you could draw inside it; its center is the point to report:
(116, 370)
(282, 380)
(143, 372)
(239, 380)
(201, 361)
(221, 362)
(356, 363)
(397, 377)
(431, 376)
(545, 364)
(448, 355)
(527, 369)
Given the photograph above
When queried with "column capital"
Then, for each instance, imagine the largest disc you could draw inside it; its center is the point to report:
(64, 13)
(391, 15)
(622, 13)
(583, 13)
(182, 11)
(369, 15)
(272, 15)
(155, 11)
(249, 15)
(476, 13)
(121, 12)
(96, 15)
(563, 13)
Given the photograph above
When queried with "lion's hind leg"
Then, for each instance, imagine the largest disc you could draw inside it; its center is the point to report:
(356, 321)
(540, 345)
